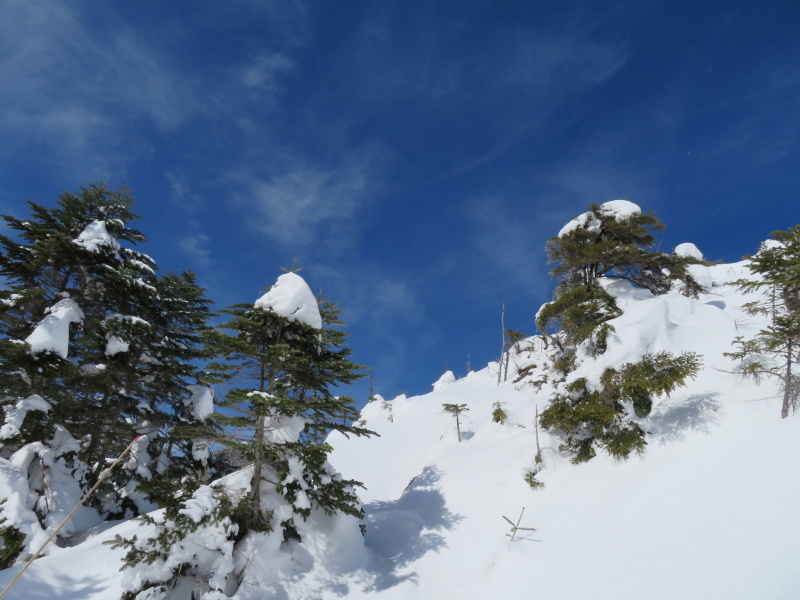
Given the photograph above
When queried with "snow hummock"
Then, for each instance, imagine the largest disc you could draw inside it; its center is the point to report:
(52, 332)
(94, 237)
(446, 379)
(688, 250)
(292, 299)
(619, 210)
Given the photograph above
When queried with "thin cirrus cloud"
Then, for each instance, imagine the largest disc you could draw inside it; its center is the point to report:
(73, 91)
(307, 203)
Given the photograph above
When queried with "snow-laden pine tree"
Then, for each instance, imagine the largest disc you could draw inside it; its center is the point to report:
(95, 349)
(611, 241)
(775, 350)
(283, 358)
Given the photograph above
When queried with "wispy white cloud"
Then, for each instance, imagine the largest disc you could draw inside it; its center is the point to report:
(308, 203)
(264, 71)
(75, 90)
(78, 94)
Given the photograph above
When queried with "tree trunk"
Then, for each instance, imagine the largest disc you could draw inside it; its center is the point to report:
(788, 391)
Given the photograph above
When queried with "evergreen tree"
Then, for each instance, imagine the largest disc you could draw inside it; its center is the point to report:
(283, 358)
(773, 352)
(456, 410)
(610, 241)
(93, 344)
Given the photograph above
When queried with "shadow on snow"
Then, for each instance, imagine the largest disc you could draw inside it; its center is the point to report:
(400, 532)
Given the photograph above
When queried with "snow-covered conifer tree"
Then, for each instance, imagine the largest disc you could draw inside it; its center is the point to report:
(610, 241)
(95, 350)
(283, 358)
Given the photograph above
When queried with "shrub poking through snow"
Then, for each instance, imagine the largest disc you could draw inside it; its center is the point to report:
(605, 415)
(498, 414)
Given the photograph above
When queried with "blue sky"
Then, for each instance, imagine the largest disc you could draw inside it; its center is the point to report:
(413, 156)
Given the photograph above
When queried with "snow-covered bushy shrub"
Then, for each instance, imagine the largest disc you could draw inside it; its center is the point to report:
(193, 538)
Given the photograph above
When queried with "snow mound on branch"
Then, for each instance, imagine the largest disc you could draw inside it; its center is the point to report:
(52, 333)
(201, 402)
(279, 429)
(95, 237)
(15, 415)
(292, 299)
(688, 250)
(619, 210)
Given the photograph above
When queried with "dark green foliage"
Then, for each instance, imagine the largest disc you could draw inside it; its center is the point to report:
(773, 352)
(590, 416)
(281, 375)
(11, 544)
(128, 360)
(173, 534)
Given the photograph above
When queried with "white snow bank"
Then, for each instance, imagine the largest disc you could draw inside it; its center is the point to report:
(95, 237)
(619, 210)
(52, 333)
(292, 299)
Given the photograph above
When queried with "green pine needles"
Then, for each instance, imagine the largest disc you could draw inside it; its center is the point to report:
(601, 416)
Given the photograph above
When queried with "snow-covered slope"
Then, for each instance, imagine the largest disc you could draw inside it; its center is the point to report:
(708, 512)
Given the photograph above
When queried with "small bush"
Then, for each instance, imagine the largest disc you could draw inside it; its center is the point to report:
(530, 479)
(498, 414)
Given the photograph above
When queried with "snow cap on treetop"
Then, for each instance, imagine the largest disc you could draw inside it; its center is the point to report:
(619, 210)
(291, 298)
(688, 250)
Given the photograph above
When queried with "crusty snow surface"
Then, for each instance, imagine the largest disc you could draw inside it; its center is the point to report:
(708, 512)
